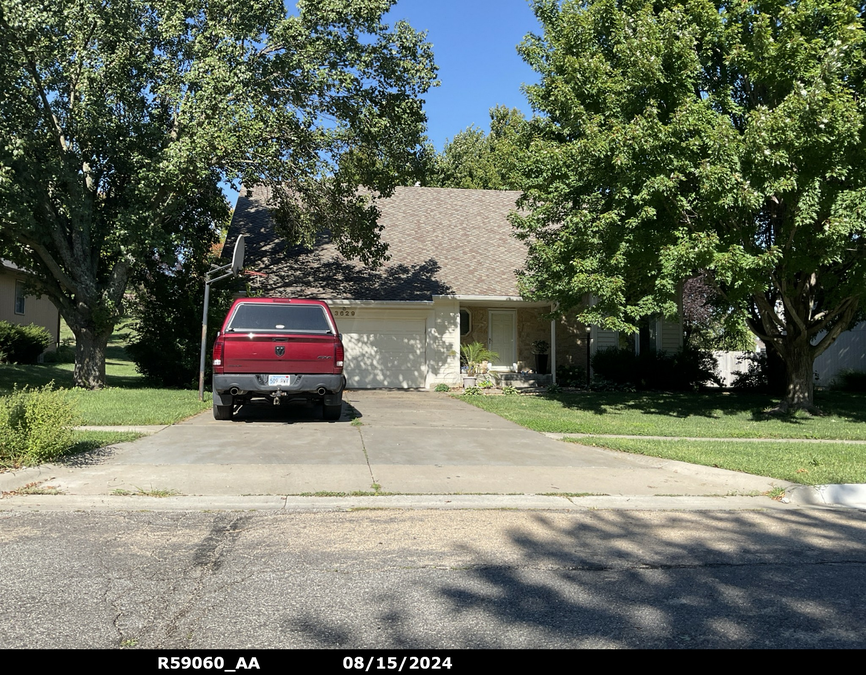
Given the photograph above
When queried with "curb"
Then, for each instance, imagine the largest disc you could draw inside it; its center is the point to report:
(848, 495)
(291, 504)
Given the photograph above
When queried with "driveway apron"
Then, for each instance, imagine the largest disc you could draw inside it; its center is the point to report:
(407, 442)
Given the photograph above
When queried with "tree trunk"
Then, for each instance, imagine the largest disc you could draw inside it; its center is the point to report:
(90, 347)
(800, 384)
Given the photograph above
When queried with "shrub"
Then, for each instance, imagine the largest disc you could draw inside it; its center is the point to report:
(615, 365)
(850, 380)
(36, 425)
(571, 376)
(168, 307)
(685, 370)
(22, 344)
(442, 387)
(63, 354)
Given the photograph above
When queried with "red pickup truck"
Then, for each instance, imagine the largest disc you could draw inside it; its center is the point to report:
(278, 349)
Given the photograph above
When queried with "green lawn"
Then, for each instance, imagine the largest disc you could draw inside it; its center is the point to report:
(807, 463)
(128, 399)
(706, 415)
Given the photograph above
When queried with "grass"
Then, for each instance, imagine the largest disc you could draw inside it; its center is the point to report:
(141, 492)
(128, 398)
(703, 415)
(809, 464)
(34, 488)
(728, 416)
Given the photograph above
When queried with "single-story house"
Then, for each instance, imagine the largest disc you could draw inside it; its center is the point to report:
(19, 308)
(450, 280)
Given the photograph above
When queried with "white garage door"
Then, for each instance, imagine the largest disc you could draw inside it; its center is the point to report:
(384, 352)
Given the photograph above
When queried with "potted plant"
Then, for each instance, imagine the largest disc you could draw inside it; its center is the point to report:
(540, 349)
(476, 357)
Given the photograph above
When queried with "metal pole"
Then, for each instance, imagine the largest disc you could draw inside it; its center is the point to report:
(203, 340)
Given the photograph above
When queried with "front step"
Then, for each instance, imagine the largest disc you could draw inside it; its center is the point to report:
(524, 380)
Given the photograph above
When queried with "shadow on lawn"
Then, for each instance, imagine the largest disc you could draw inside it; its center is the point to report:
(710, 405)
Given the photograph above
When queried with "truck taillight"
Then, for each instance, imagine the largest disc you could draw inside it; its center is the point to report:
(338, 355)
(219, 349)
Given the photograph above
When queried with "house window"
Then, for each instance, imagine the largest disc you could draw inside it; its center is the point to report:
(19, 297)
(465, 322)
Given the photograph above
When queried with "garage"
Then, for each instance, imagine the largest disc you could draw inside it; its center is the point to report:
(383, 349)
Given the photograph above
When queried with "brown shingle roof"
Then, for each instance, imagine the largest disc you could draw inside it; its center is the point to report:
(441, 241)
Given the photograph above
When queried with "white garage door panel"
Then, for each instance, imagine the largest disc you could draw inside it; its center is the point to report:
(385, 352)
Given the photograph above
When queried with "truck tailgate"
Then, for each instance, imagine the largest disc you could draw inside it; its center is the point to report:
(278, 354)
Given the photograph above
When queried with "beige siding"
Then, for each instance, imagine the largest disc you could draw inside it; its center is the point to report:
(40, 311)
(671, 335)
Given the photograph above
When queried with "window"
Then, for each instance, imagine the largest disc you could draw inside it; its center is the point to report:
(279, 318)
(465, 322)
(19, 297)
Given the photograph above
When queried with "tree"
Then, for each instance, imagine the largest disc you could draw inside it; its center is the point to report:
(479, 161)
(708, 323)
(119, 120)
(683, 135)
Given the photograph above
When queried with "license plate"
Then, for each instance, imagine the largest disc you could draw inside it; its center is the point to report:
(279, 379)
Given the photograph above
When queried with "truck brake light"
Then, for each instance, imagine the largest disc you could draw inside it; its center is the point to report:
(338, 356)
(219, 349)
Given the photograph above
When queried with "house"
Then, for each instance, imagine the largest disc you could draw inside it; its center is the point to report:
(450, 281)
(19, 308)
(848, 352)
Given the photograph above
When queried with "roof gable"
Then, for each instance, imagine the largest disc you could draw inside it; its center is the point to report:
(442, 241)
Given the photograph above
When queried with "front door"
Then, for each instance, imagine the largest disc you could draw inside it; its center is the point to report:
(501, 338)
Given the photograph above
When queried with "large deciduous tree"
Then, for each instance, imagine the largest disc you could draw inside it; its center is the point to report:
(479, 161)
(119, 120)
(676, 136)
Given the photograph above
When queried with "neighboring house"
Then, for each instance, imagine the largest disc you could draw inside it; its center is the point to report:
(848, 352)
(16, 307)
(450, 281)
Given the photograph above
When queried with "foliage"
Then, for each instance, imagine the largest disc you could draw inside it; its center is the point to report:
(708, 323)
(571, 376)
(850, 380)
(472, 391)
(473, 160)
(442, 387)
(681, 371)
(121, 119)
(36, 425)
(688, 135)
(509, 391)
(22, 344)
(473, 356)
(63, 354)
(540, 347)
(168, 308)
(756, 375)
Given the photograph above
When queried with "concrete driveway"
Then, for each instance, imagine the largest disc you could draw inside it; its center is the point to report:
(391, 441)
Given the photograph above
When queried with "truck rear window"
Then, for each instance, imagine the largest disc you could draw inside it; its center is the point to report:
(278, 318)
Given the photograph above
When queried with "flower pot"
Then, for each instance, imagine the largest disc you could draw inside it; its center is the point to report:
(468, 381)
(541, 364)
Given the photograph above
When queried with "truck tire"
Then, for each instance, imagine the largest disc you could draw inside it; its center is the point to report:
(222, 412)
(332, 412)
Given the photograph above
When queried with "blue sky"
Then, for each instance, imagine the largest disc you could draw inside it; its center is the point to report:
(475, 46)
